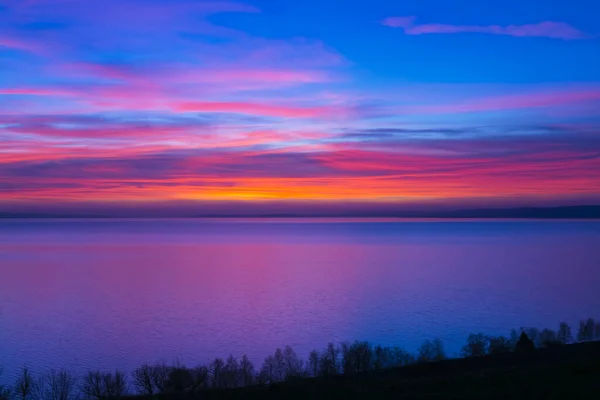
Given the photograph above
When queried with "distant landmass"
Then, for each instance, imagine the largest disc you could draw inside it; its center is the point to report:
(568, 212)
(562, 212)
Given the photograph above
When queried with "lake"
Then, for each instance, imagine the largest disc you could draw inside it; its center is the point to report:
(108, 294)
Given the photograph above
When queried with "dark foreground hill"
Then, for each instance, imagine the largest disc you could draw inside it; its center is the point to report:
(563, 372)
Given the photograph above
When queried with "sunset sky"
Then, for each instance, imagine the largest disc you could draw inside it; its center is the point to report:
(373, 102)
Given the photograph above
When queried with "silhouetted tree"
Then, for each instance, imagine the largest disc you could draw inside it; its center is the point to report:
(534, 335)
(267, 373)
(57, 385)
(151, 379)
(180, 379)
(246, 371)
(98, 385)
(477, 345)
(160, 377)
(525, 344)
(564, 334)
(292, 364)
(231, 377)
(329, 360)
(201, 379)
(346, 359)
(216, 369)
(383, 357)
(514, 338)
(431, 351)
(24, 385)
(279, 365)
(586, 330)
(116, 384)
(4, 390)
(389, 357)
(499, 345)
(312, 366)
(92, 386)
(357, 357)
(142, 380)
(401, 357)
(549, 338)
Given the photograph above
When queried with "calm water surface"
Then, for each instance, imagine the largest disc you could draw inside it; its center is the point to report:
(117, 293)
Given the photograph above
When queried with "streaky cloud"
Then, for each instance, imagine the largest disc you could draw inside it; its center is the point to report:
(546, 29)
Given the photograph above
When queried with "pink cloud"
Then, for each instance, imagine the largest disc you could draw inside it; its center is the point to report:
(548, 29)
(513, 102)
(99, 71)
(114, 131)
(35, 92)
(236, 75)
(249, 108)
(20, 44)
(226, 78)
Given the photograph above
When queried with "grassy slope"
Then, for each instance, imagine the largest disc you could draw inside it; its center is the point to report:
(567, 372)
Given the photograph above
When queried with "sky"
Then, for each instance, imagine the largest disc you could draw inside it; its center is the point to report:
(381, 103)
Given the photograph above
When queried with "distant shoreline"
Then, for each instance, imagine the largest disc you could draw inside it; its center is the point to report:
(565, 212)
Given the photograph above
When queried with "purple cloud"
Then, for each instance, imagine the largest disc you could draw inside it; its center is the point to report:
(547, 29)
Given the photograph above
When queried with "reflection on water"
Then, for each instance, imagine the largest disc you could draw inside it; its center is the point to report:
(107, 294)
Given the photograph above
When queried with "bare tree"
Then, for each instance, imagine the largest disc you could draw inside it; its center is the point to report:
(216, 370)
(312, 366)
(356, 357)
(160, 377)
(200, 376)
(246, 371)
(231, 375)
(548, 338)
(279, 365)
(400, 357)
(534, 335)
(24, 385)
(4, 390)
(586, 330)
(104, 385)
(292, 364)
(382, 357)
(389, 357)
(346, 358)
(267, 373)
(431, 351)
(143, 380)
(93, 385)
(180, 379)
(597, 331)
(57, 385)
(514, 338)
(477, 345)
(499, 345)
(329, 362)
(115, 384)
(564, 334)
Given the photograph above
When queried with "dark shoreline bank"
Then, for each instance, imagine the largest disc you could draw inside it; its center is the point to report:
(565, 372)
(533, 364)
(563, 212)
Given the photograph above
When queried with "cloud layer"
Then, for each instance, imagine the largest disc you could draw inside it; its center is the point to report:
(184, 101)
(547, 29)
